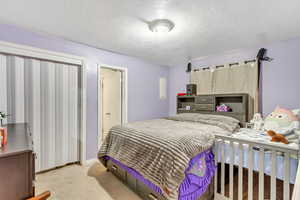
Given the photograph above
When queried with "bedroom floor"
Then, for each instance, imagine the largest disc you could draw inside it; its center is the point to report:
(75, 182)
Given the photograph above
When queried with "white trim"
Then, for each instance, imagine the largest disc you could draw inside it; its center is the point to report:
(83, 111)
(220, 197)
(22, 50)
(226, 53)
(90, 162)
(124, 97)
(28, 51)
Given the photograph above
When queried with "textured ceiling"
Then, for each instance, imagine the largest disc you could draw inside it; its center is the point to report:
(202, 27)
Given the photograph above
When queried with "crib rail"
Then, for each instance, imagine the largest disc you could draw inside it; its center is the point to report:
(252, 146)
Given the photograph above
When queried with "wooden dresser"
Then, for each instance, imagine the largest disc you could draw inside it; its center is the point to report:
(17, 171)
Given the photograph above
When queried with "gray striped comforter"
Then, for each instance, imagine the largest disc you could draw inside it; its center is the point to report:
(161, 149)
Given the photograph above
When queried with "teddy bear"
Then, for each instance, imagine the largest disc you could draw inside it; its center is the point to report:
(277, 137)
(281, 124)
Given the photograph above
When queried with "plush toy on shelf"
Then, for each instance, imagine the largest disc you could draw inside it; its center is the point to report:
(281, 124)
(223, 108)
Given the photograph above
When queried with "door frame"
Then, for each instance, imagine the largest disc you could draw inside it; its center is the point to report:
(124, 99)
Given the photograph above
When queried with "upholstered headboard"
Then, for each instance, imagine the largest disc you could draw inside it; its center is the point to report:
(207, 104)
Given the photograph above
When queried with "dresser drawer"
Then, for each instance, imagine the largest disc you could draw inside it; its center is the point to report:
(205, 99)
(204, 107)
(131, 181)
(116, 170)
(191, 105)
(146, 193)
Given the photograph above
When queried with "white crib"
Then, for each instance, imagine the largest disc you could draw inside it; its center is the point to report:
(259, 149)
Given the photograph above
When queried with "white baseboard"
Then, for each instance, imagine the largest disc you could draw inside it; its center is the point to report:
(90, 162)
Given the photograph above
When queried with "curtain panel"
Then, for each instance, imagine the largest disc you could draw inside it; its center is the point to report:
(45, 95)
(239, 78)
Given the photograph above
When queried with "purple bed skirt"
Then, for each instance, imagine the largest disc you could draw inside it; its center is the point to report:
(193, 186)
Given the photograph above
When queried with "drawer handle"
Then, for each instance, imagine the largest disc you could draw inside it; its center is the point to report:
(114, 168)
(152, 196)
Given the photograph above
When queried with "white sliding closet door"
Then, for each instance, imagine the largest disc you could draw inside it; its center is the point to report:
(15, 89)
(45, 95)
(3, 85)
(33, 105)
(73, 114)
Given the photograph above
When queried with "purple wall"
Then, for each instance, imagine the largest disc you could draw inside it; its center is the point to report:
(281, 82)
(280, 78)
(143, 77)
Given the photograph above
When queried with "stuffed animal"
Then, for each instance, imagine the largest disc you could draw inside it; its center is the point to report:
(277, 137)
(257, 122)
(281, 123)
(223, 108)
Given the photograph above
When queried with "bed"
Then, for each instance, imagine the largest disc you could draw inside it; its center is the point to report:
(169, 151)
(161, 158)
(178, 157)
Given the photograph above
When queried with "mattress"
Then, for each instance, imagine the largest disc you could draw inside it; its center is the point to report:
(255, 136)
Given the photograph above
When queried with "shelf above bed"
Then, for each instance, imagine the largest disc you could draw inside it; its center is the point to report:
(207, 104)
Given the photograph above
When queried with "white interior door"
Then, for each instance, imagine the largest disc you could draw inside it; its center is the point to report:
(111, 99)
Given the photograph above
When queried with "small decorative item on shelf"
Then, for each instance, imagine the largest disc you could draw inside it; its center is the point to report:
(187, 107)
(3, 130)
(223, 108)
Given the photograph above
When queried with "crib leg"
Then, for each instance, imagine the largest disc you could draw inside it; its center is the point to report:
(296, 191)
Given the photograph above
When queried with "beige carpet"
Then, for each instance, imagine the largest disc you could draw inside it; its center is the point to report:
(75, 182)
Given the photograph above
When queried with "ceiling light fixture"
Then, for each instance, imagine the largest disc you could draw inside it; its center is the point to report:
(161, 25)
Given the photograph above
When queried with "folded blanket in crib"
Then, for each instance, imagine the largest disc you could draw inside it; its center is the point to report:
(262, 136)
